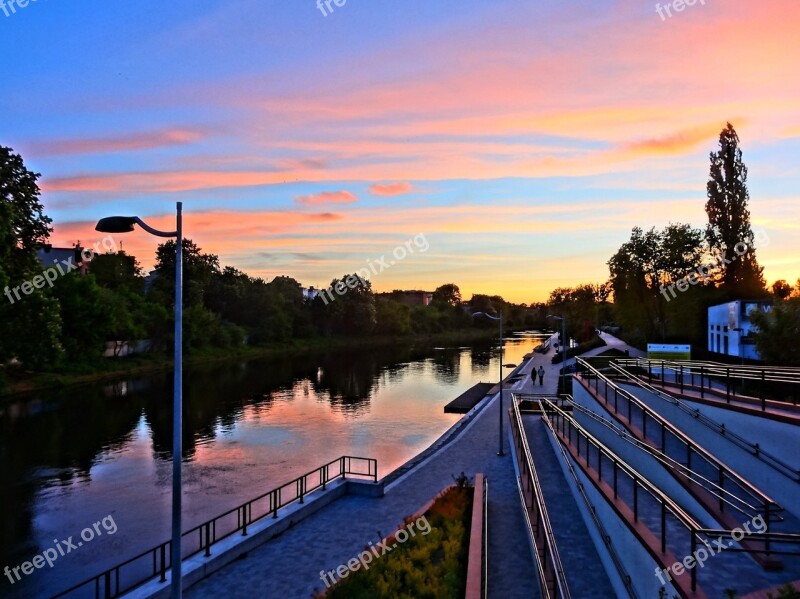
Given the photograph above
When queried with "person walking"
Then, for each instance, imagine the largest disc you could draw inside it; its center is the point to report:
(541, 375)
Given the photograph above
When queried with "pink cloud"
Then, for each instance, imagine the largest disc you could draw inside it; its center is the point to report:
(390, 189)
(121, 143)
(327, 197)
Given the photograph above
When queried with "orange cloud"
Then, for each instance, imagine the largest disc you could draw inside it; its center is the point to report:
(327, 197)
(390, 189)
(681, 142)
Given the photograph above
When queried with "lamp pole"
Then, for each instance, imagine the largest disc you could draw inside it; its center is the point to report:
(500, 451)
(125, 224)
(563, 340)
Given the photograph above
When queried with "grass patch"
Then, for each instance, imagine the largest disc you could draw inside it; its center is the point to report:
(431, 566)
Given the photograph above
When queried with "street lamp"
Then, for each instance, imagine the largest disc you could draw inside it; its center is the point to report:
(125, 224)
(563, 339)
(499, 318)
(741, 344)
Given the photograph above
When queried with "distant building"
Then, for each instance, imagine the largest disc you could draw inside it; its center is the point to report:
(309, 293)
(729, 328)
(50, 256)
(410, 298)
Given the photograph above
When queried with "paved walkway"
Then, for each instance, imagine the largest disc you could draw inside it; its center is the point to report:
(551, 371)
(290, 565)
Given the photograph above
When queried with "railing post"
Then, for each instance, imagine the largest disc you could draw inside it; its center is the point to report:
(763, 391)
(681, 378)
(615, 478)
(635, 499)
(276, 498)
(208, 539)
(702, 384)
(649, 372)
(663, 382)
(728, 385)
(694, 552)
(108, 583)
(163, 577)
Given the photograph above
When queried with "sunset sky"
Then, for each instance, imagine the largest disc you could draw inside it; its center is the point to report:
(523, 139)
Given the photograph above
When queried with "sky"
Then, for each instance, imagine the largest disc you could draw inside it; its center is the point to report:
(521, 140)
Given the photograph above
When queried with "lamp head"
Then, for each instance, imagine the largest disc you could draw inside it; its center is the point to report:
(116, 224)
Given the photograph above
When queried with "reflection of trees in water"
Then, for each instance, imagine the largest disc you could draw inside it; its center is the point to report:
(447, 365)
(53, 443)
(57, 440)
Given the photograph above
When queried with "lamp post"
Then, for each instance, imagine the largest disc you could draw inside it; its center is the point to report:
(563, 339)
(125, 224)
(741, 344)
(500, 451)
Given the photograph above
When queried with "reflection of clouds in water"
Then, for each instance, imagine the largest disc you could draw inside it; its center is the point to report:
(412, 440)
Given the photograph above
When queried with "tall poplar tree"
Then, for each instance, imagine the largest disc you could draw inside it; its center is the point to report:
(729, 220)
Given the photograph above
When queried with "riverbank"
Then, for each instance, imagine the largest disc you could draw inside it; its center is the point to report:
(20, 384)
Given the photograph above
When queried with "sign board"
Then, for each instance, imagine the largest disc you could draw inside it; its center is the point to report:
(666, 351)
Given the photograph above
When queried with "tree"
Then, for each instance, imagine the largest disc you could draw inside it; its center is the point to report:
(777, 333)
(781, 289)
(118, 272)
(198, 269)
(644, 273)
(23, 224)
(448, 294)
(728, 232)
(29, 329)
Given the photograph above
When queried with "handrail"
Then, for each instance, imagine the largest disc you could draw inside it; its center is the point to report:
(485, 549)
(712, 487)
(693, 448)
(545, 551)
(665, 503)
(752, 448)
(109, 584)
(759, 374)
(623, 573)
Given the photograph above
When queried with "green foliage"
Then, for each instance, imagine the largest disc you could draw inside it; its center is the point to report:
(777, 333)
(87, 313)
(787, 591)
(23, 224)
(431, 566)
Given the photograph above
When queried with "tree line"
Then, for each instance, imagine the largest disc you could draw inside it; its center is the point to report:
(67, 325)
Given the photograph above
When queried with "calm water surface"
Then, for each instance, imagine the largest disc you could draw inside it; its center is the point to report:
(71, 458)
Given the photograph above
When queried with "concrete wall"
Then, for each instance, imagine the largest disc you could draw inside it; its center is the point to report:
(780, 439)
(638, 562)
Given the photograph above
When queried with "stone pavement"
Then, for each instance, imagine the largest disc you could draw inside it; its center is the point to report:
(551, 374)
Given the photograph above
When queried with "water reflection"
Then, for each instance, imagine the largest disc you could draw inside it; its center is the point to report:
(70, 457)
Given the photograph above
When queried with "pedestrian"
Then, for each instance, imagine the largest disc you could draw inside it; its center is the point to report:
(541, 375)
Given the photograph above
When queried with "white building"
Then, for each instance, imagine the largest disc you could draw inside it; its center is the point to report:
(729, 328)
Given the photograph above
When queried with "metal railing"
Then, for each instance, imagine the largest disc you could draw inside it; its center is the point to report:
(753, 449)
(634, 410)
(485, 548)
(769, 380)
(552, 580)
(155, 563)
(636, 494)
(732, 501)
(606, 538)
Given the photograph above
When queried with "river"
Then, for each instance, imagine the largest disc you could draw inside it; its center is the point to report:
(71, 458)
